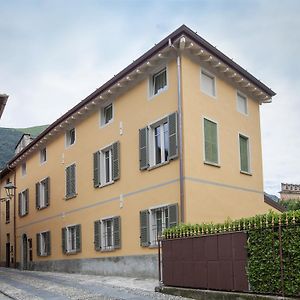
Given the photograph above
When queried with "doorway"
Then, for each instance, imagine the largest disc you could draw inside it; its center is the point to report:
(7, 261)
(25, 252)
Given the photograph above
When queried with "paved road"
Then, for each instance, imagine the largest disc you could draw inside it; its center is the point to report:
(25, 285)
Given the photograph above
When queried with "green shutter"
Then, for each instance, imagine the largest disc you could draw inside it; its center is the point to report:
(96, 158)
(211, 141)
(78, 238)
(116, 161)
(38, 244)
(244, 152)
(48, 243)
(143, 145)
(19, 203)
(63, 240)
(97, 235)
(117, 232)
(26, 201)
(37, 195)
(173, 136)
(47, 191)
(68, 184)
(144, 227)
(173, 215)
(73, 180)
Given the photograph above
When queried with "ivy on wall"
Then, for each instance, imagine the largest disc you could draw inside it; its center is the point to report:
(268, 236)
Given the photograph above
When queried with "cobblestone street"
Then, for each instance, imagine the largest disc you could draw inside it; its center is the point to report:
(23, 285)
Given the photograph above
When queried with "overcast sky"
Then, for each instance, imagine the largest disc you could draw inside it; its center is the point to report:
(54, 53)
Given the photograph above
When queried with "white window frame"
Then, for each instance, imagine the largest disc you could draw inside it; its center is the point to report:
(68, 137)
(102, 113)
(151, 138)
(43, 155)
(218, 141)
(24, 169)
(42, 243)
(153, 223)
(69, 238)
(103, 166)
(104, 234)
(23, 203)
(249, 172)
(151, 82)
(213, 77)
(243, 96)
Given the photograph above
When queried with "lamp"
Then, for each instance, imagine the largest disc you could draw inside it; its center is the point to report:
(10, 189)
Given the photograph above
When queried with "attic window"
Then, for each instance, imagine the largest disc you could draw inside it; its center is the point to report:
(43, 155)
(159, 82)
(70, 137)
(23, 169)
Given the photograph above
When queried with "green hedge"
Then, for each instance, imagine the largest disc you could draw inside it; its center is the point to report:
(264, 270)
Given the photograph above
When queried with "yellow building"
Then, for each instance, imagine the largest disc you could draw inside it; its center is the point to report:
(174, 137)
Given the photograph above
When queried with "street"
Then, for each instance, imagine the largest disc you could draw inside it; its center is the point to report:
(23, 285)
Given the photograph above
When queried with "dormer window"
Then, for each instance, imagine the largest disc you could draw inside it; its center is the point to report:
(70, 137)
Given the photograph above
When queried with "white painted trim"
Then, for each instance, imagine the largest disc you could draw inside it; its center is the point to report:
(103, 105)
(66, 138)
(102, 165)
(237, 104)
(43, 162)
(218, 164)
(249, 154)
(157, 70)
(208, 74)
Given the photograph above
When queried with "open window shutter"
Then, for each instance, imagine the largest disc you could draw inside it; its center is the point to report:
(68, 178)
(37, 195)
(143, 144)
(19, 204)
(117, 232)
(78, 238)
(47, 191)
(144, 226)
(97, 180)
(26, 201)
(63, 239)
(173, 137)
(97, 235)
(48, 243)
(38, 245)
(116, 161)
(173, 215)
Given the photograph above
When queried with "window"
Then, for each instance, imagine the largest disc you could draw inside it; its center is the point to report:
(71, 181)
(208, 83)
(107, 234)
(43, 155)
(23, 169)
(242, 103)
(43, 243)
(210, 142)
(70, 137)
(106, 114)
(158, 82)
(71, 239)
(154, 221)
(7, 211)
(23, 203)
(42, 193)
(107, 165)
(244, 153)
(158, 142)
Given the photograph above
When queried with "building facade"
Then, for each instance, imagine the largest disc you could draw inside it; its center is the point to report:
(289, 191)
(174, 137)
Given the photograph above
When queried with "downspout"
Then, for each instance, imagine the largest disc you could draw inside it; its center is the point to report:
(180, 126)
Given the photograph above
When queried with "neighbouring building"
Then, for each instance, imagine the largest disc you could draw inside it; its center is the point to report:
(289, 191)
(174, 137)
(3, 100)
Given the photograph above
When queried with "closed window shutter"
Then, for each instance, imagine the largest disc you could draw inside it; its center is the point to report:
(68, 178)
(143, 144)
(37, 195)
(78, 238)
(144, 227)
(211, 141)
(97, 235)
(173, 215)
(48, 243)
(96, 158)
(116, 161)
(63, 240)
(38, 244)
(26, 201)
(244, 154)
(19, 204)
(73, 180)
(47, 191)
(117, 232)
(173, 136)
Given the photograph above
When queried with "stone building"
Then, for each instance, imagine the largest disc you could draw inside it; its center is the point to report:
(289, 191)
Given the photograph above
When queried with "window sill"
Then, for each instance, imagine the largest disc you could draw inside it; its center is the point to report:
(7, 222)
(152, 96)
(106, 124)
(43, 255)
(153, 246)
(71, 252)
(70, 197)
(158, 165)
(105, 184)
(245, 173)
(209, 95)
(108, 249)
(41, 208)
(21, 216)
(212, 164)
